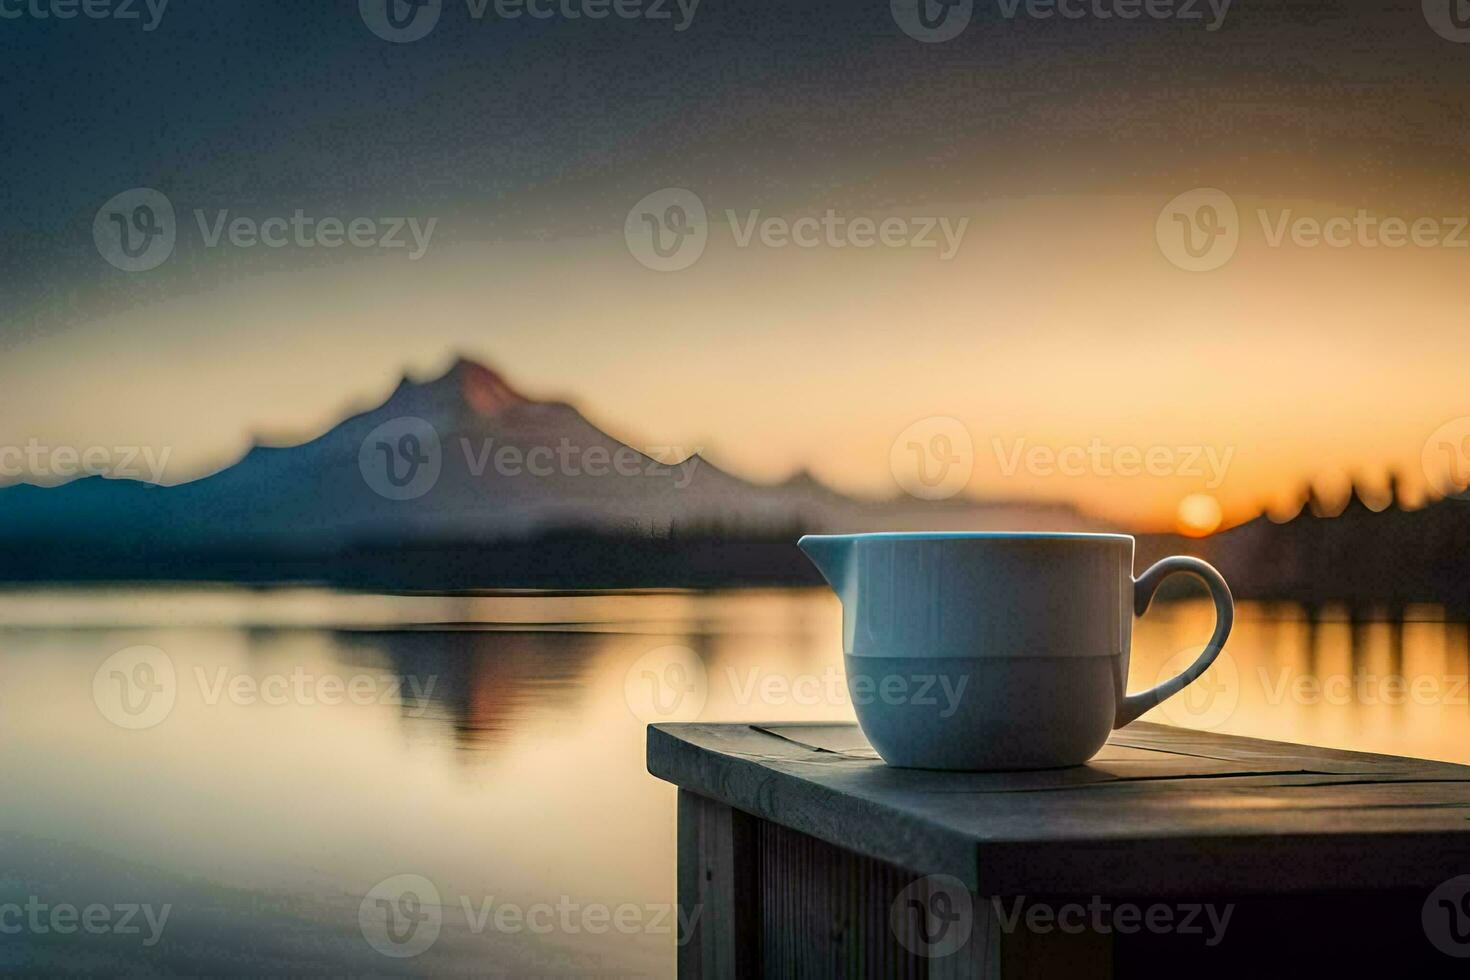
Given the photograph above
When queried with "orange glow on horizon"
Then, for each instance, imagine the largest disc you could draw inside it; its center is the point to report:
(1246, 381)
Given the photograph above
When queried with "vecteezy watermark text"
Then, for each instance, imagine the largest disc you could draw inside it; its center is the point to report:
(672, 683)
(306, 231)
(836, 687)
(1365, 687)
(148, 13)
(935, 21)
(402, 916)
(137, 230)
(834, 230)
(934, 917)
(668, 230)
(1211, 13)
(45, 462)
(403, 459)
(38, 918)
(1098, 458)
(137, 688)
(1213, 699)
(1098, 915)
(934, 459)
(680, 13)
(1200, 230)
(406, 21)
(568, 459)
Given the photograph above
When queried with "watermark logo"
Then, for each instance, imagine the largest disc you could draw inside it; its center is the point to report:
(1446, 459)
(668, 683)
(400, 21)
(1446, 917)
(667, 231)
(120, 10)
(136, 688)
(1450, 19)
(1199, 231)
(933, 917)
(136, 230)
(401, 916)
(1211, 700)
(932, 21)
(933, 459)
(401, 459)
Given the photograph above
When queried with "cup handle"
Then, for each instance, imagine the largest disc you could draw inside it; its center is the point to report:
(1144, 587)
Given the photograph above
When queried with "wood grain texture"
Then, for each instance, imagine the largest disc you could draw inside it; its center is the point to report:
(1160, 811)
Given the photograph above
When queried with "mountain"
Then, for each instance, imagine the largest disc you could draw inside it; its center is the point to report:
(462, 460)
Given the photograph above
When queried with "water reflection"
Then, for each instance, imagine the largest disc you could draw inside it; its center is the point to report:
(318, 743)
(478, 687)
(1327, 676)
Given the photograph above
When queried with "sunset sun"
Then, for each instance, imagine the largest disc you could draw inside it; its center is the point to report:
(1198, 515)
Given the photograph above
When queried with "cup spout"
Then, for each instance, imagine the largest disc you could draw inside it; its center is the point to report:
(831, 554)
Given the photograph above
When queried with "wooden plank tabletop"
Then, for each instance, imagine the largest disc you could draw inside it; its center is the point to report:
(1160, 811)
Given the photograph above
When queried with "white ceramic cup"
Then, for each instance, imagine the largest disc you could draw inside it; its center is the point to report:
(997, 651)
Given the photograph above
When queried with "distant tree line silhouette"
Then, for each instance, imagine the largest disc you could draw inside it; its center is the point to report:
(1366, 557)
(1362, 556)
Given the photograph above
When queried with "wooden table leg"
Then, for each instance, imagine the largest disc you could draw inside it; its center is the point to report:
(717, 868)
(766, 901)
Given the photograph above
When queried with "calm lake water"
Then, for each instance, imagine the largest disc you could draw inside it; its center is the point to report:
(253, 765)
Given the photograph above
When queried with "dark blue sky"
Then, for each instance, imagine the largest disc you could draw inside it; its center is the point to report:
(542, 127)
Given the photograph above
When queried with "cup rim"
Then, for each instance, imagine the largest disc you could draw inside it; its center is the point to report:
(974, 536)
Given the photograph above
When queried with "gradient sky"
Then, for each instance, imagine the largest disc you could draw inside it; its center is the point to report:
(1060, 320)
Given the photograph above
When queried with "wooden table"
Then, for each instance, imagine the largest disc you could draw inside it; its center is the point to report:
(806, 856)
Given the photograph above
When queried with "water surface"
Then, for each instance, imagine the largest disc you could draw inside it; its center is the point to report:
(311, 744)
